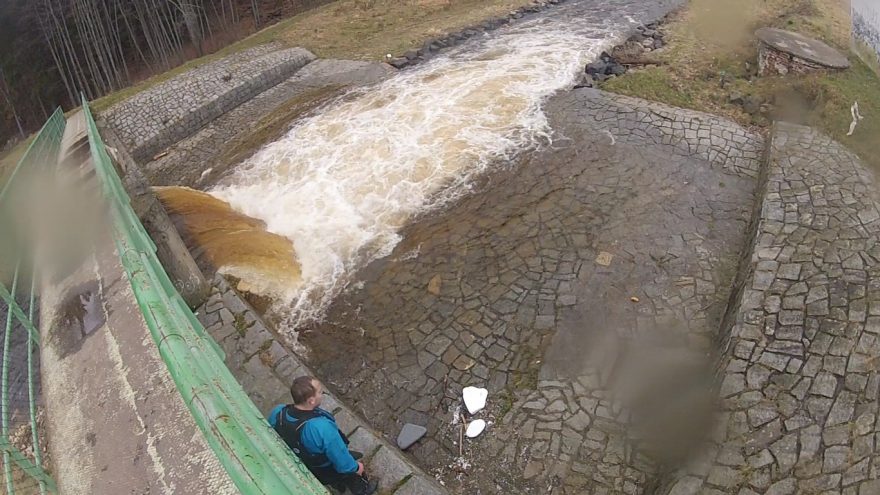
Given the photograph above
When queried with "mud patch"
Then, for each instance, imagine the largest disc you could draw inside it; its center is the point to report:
(81, 315)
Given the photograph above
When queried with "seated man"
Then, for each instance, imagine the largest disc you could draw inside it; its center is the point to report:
(312, 434)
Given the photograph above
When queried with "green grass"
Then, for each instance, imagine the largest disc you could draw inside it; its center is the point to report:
(654, 83)
(832, 97)
(711, 40)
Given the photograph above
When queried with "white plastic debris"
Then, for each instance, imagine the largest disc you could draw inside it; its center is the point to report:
(854, 110)
(475, 428)
(474, 398)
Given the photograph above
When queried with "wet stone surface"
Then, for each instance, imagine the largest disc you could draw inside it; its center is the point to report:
(546, 286)
(799, 373)
(202, 158)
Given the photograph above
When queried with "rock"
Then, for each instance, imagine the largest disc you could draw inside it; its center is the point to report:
(659, 43)
(618, 70)
(411, 55)
(597, 68)
(752, 104)
(604, 258)
(474, 398)
(475, 428)
(409, 435)
(399, 62)
(648, 43)
(629, 52)
(585, 82)
(434, 285)
(650, 33)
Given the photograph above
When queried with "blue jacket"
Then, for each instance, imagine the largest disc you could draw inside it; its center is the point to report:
(321, 436)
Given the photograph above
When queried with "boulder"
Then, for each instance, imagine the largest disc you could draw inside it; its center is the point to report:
(597, 68)
(399, 62)
(629, 52)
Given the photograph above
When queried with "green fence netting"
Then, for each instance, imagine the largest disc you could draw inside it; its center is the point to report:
(255, 458)
(24, 469)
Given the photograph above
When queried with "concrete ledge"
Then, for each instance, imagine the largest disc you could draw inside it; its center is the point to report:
(170, 248)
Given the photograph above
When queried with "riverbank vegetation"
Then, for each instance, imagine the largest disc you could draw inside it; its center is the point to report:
(710, 64)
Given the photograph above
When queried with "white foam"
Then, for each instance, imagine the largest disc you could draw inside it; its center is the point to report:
(342, 183)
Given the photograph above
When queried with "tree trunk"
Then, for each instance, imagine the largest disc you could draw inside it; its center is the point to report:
(255, 5)
(193, 23)
(4, 90)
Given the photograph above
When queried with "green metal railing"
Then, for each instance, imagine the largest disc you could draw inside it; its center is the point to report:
(22, 473)
(255, 458)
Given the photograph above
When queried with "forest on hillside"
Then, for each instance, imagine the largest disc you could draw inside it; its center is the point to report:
(53, 50)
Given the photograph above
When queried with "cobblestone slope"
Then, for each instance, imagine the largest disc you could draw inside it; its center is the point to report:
(510, 289)
(800, 381)
(186, 161)
(156, 118)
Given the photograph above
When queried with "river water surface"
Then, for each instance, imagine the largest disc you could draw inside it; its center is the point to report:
(341, 183)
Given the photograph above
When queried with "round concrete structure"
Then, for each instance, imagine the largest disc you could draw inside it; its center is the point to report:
(782, 52)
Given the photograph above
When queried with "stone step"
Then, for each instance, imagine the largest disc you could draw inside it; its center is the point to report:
(265, 369)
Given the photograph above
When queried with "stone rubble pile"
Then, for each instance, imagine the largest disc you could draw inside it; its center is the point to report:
(646, 39)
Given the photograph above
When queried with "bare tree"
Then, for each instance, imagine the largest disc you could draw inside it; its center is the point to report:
(4, 90)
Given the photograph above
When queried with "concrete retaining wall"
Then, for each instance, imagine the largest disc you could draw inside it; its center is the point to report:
(175, 109)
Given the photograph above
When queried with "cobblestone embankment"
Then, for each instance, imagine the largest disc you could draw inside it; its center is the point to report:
(630, 226)
(187, 162)
(799, 376)
(265, 370)
(156, 118)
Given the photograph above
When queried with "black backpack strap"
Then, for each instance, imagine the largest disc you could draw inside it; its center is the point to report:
(291, 433)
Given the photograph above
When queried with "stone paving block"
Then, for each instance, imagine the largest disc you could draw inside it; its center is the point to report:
(417, 485)
(346, 421)
(820, 348)
(390, 468)
(362, 440)
(528, 279)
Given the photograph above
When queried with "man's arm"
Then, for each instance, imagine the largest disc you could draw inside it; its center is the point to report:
(273, 416)
(334, 448)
